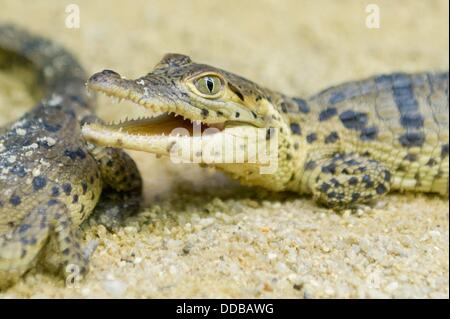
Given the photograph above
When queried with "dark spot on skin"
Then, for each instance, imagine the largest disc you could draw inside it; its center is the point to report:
(335, 182)
(52, 127)
(258, 98)
(332, 138)
(67, 188)
(353, 120)
(296, 146)
(331, 194)
(237, 114)
(18, 170)
(368, 133)
(269, 133)
(84, 187)
(52, 202)
(39, 182)
(329, 169)
(431, 162)
(236, 91)
(381, 189)
(295, 128)
(325, 187)
(412, 139)
(254, 115)
(302, 105)
(55, 191)
(220, 113)
(387, 176)
(310, 165)
(24, 227)
(205, 113)
(444, 151)
(327, 114)
(384, 81)
(353, 181)
(355, 196)
(75, 199)
(410, 157)
(74, 154)
(336, 97)
(44, 144)
(340, 196)
(362, 169)
(66, 251)
(368, 181)
(352, 162)
(283, 107)
(15, 200)
(311, 138)
(411, 120)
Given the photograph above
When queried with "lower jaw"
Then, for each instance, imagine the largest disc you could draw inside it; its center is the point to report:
(149, 135)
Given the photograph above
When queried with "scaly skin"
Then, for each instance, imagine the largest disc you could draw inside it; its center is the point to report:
(347, 145)
(50, 178)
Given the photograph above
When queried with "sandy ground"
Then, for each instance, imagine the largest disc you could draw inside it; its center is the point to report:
(202, 235)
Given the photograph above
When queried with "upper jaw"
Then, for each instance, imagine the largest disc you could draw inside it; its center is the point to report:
(155, 97)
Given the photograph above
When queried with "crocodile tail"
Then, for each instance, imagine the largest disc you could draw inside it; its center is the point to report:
(60, 72)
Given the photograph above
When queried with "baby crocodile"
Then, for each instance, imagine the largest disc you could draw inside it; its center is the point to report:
(347, 145)
(50, 178)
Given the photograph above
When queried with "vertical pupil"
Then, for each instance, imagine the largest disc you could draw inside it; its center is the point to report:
(209, 84)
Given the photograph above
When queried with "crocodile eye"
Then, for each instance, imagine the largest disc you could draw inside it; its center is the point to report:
(209, 85)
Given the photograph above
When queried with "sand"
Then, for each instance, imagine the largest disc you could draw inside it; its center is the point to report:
(201, 234)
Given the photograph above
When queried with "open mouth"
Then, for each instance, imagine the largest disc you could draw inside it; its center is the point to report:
(166, 124)
(152, 132)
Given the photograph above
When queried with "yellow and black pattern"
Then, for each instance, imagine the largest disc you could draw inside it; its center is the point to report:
(50, 178)
(347, 145)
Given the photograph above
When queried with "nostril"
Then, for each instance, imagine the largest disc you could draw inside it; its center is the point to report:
(95, 76)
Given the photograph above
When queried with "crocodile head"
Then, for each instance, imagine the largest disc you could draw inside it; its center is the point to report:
(194, 102)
